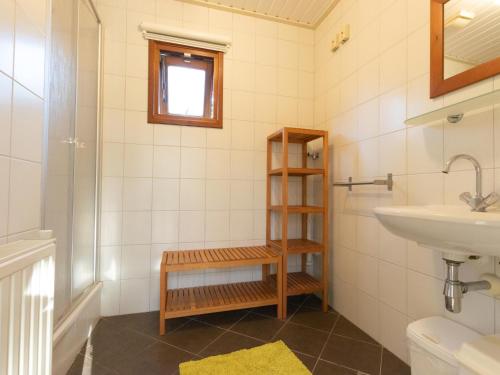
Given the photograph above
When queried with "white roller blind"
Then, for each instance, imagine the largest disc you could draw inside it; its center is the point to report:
(185, 37)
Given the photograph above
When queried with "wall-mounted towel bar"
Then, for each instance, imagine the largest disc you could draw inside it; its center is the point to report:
(388, 182)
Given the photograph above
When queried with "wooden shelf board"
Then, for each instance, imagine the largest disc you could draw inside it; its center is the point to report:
(299, 209)
(214, 298)
(299, 246)
(297, 171)
(297, 135)
(183, 260)
(300, 283)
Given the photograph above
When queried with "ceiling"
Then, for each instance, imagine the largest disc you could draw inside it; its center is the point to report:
(479, 41)
(305, 13)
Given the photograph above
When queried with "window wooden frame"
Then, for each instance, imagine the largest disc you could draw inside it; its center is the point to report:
(438, 84)
(157, 108)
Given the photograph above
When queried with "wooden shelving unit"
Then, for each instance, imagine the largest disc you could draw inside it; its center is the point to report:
(298, 282)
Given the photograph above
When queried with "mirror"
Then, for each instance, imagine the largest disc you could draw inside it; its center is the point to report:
(465, 43)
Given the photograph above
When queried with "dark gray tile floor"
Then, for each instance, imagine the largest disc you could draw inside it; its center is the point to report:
(325, 343)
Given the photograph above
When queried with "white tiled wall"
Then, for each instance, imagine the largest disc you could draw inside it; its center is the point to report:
(172, 187)
(363, 93)
(23, 31)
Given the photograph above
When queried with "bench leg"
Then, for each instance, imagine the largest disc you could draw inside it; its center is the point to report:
(163, 298)
(279, 289)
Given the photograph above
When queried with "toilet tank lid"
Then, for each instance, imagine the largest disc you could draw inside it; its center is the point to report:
(441, 337)
(481, 355)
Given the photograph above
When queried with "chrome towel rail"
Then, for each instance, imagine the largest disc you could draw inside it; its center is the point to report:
(388, 182)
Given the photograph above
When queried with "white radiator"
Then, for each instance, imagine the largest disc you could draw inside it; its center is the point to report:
(26, 307)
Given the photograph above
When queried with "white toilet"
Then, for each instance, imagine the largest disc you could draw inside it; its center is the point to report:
(439, 346)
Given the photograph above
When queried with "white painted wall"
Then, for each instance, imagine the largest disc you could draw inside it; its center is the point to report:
(23, 36)
(363, 93)
(170, 187)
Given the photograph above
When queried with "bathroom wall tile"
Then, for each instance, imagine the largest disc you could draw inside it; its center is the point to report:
(165, 226)
(111, 228)
(193, 163)
(110, 262)
(241, 195)
(115, 61)
(242, 165)
(27, 125)
(367, 234)
(392, 248)
(432, 194)
(425, 148)
(110, 298)
(192, 194)
(192, 136)
(29, 46)
(217, 225)
(368, 119)
(24, 198)
(137, 129)
(136, 94)
(112, 160)
(135, 261)
(166, 194)
(134, 296)
(393, 331)
(114, 92)
(137, 194)
(368, 81)
(5, 113)
(136, 227)
(217, 194)
(167, 135)
(368, 315)
(7, 25)
(393, 67)
(4, 194)
(425, 260)
(111, 195)
(393, 24)
(166, 163)
(418, 53)
(418, 14)
(191, 226)
(392, 149)
(113, 124)
(241, 226)
(425, 295)
(242, 133)
(392, 286)
(392, 110)
(367, 271)
(138, 160)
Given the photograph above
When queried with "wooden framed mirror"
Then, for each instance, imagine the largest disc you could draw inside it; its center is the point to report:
(465, 43)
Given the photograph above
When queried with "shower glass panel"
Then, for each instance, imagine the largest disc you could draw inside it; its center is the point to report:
(70, 179)
(85, 154)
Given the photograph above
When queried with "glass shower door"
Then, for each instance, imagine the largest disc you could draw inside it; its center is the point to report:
(85, 154)
(72, 148)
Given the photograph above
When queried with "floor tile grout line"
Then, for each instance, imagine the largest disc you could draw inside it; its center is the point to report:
(326, 343)
(358, 372)
(357, 340)
(224, 331)
(288, 320)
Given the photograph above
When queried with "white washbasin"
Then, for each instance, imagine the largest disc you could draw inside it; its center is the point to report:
(452, 229)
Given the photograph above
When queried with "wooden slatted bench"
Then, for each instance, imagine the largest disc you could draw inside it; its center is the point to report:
(183, 302)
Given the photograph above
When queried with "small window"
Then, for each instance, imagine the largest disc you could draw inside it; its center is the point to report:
(185, 85)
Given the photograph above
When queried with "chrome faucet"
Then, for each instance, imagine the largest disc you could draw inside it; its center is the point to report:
(476, 202)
